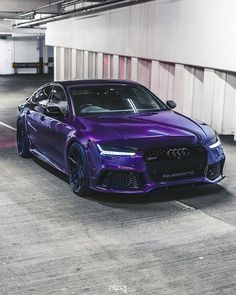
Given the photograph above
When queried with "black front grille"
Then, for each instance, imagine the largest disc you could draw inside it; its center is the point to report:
(176, 162)
(215, 170)
(121, 180)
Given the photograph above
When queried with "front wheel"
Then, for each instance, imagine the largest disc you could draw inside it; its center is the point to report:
(78, 169)
(22, 141)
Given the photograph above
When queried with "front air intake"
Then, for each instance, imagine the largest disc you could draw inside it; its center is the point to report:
(121, 180)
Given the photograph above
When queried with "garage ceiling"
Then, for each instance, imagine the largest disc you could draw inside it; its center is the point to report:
(13, 8)
(31, 13)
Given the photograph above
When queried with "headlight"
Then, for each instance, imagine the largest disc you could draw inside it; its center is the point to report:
(116, 151)
(215, 144)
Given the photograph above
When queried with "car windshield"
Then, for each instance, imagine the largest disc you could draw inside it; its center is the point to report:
(114, 99)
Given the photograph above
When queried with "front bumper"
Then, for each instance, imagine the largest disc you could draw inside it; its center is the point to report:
(129, 175)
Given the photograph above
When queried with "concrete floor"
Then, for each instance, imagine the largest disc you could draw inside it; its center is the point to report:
(181, 241)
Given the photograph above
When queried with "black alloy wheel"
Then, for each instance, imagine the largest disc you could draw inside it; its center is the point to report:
(78, 169)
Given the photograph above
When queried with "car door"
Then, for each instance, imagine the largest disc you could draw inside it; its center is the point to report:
(55, 129)
(35, 117)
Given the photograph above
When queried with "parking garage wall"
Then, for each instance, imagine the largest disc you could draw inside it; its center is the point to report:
(193, 32)
(183, 50)
(205, 94)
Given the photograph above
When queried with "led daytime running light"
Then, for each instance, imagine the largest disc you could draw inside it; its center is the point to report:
(114, 153)
(216, 144)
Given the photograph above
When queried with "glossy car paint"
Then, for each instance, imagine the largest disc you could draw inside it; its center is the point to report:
(50, 138)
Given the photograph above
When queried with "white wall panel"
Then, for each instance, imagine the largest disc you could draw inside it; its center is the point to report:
(166, 80)
(208, 96)
(178, 87)
(99, 66)
(171, 80)
(6, 57)
(128, 68)
(197, 32)
(106, 66)
(188, 86)
(230, 104)
(86, 64)
(198, 93)
(56, 63)
(67, 63)
(155, 77)
(80, 64)
(73, 64)
(218, 101)
(134, 69)
(91, 65)
(171, 31)
(60, 63)
(163, 77)
(144, 72)
(115, 66)
(122, 67)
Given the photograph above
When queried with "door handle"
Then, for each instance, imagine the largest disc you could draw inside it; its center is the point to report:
(42, 118)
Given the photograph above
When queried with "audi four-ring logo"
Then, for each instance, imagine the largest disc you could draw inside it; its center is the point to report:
(178, 153)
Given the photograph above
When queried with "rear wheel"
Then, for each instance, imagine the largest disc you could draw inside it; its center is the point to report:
(78, 170)
(22, 141)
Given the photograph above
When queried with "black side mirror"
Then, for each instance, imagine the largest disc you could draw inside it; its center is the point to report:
(53, 111)
(171, 104)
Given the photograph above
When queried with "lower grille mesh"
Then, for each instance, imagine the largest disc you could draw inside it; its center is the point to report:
(122, 180)
(215, 170)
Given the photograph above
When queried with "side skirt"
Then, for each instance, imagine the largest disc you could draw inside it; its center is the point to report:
(47, 160)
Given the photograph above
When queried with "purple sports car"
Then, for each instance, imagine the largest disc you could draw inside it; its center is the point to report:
(116, 136)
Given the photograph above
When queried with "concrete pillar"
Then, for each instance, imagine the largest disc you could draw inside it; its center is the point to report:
(208, 95)
(86, 65)
(188, 86)
(99, 66)
(134, 69)
(91, 65)
(55, 63)
(115, 61)
(61, 63)
(178, 87)
(155, 77)
(197, 93)
(218, 101)
(45, 58)
(80, 64)
(73, 64)
(229, 121)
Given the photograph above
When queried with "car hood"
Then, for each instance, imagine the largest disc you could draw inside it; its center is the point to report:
(143, 130)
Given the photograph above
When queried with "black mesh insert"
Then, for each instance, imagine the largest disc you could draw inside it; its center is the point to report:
(215, 170)
(163, 165)
(121, 180)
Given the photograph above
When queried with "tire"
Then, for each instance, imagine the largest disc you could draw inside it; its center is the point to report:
(22, 141)
(78, 170)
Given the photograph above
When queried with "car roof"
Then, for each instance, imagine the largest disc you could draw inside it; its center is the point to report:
(94, 82)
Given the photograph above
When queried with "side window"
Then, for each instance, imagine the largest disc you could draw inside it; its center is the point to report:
(58, 98)
(42, 96)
